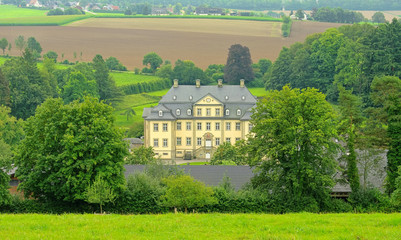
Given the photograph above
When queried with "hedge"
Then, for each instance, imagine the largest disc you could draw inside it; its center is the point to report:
(146, 86)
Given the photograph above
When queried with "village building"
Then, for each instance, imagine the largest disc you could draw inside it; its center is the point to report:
(191, 121)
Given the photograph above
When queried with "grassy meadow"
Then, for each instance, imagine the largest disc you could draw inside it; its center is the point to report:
(201, 226)
(12, 11)
(127, 78)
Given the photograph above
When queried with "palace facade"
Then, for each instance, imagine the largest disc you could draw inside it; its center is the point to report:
(191, 121)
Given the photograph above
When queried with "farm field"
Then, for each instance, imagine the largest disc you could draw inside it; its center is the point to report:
(204, 43)
(201, 226)
(12, 11)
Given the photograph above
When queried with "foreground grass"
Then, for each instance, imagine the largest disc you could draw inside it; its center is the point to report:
(201, 226)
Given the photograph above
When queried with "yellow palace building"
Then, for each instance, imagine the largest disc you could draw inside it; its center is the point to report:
(191, 121)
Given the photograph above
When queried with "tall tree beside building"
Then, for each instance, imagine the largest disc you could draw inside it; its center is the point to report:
(386, 93)
(293, 146)
(66, 147)
(239, 65)
(105, 84)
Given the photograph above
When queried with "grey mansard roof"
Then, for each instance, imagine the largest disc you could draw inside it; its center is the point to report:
(233, 97)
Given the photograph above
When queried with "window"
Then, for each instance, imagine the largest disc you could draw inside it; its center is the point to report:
(199, 111)
(164, 127)
(160, 113)
(228, 140)
(165, 142)
(199, 141)
(227, 112)
(238, 126)
(178, 141)
(217, 126)
(217, 141)
(188, 126)
(250, 127)
(189, 112)
(217, 112)
(155, 142)
(188, 141)
(190, 97)
(208, 126)
(208, 112)
(199, 126)
(237, 139)
(228, 126)
(178, 125)
(178, 112)
(155, 127)
(165, 154)
(239, 112)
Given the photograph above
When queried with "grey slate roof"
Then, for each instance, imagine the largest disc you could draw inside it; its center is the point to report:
(183, 97)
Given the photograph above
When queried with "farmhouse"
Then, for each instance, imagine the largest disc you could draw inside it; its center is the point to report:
(192, 121)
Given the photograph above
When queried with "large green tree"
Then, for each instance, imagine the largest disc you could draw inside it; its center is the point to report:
(4, 90)
(67, 147)
(153, 60)
(293, 144)
(187, 73)
(239, 65)
(77, 87)
(378, 17)
(386, 94)
(20, 43)
(105, 84)
(28, 88)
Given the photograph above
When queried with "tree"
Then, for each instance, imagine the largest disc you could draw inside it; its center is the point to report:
(67, 147)
(187, 73)
(100, 192)
(386, 94)
(28, 88)
(177, 8)
(141, 155)
(153, 60)
(105, 84)
(264, 65)
(184, 192)
(51, 55)
(20, 43)
(78, 87)
(227, 154)
(396, 195)
(300, 14)
(113, 64)
(165, 71)
(3, 45)
(351, 118)
(378, 17)
(239, 65)
(293, 145)
(129, 113)
(34, 46)
(4, 90)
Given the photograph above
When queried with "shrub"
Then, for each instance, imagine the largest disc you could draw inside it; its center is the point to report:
(369, 200)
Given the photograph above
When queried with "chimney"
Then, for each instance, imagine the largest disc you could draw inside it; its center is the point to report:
(197, 83)
(175, 83)
(242, 83)
(220, 83)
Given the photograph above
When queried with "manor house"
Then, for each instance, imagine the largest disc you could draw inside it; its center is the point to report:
(192, 121)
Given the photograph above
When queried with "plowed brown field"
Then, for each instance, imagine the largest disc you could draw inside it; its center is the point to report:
(203, 41)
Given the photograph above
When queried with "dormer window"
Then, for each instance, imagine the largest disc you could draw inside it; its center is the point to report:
(178, 112)
(160, 113)
(239, 112)
(190, 97)
(189, 112)
(227, 112)
(226, 97)
(243, 98)
(174, 97)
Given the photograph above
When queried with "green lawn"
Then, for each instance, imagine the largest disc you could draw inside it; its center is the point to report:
(201, 226)
(136, 102)
(12, 11)
(160, 93)
(258, 92)
(127, 78)
(41, 20)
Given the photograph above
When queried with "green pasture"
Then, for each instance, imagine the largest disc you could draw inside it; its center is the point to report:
(121, 15)
(159, 93)
(127, 78)
(258, 92)
(41, 20)
(137, 102)
(12, 11)
(201, 226)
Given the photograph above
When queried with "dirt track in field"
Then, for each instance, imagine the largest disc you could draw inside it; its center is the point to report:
(203, 42)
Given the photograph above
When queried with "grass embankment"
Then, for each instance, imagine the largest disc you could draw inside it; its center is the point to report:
(201, 226)
(14, 16)
(258, 92)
